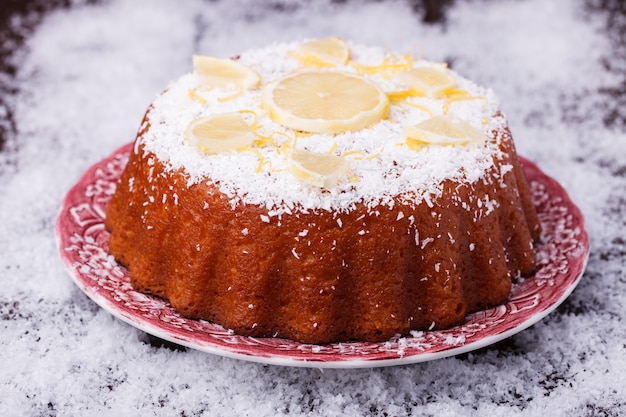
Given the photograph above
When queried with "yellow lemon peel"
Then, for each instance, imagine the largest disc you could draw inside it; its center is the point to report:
(263, 140)
(354, 179)
(419, 106)
(396, 97)
(354, 152)
(262, 159)
(390, 65)
(193, 94)
(360, 155)
(231, 96)
(464, 96)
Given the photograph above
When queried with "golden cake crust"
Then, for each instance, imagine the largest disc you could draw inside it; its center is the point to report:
(320, 276)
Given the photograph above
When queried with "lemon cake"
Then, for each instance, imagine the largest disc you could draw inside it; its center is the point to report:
(324, 191)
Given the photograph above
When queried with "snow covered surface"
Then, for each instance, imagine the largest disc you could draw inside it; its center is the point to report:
(86, 75)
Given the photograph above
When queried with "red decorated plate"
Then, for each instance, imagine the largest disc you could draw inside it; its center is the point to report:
(83, 243)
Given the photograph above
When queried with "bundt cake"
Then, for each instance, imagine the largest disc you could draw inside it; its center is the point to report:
(324, 191)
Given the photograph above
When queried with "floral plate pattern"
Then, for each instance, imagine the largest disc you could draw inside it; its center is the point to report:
(83, 244)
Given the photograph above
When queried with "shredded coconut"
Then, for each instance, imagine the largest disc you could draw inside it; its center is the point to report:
(416, 174)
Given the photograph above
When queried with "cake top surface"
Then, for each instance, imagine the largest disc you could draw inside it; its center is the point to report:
(381, 162)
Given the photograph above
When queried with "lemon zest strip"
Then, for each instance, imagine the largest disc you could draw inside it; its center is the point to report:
(267, 140)
(195, 96)
(419, 55)
(414, 144)
(396, 97)
(231, 96)
(388, 66)
(262, 159)
(254, 125)
(419, 106)
(376, 155)
(454, 99)
(361, 155)
(354, 152)
(354, 178)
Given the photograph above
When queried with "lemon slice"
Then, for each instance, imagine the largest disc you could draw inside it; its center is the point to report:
(426, 81)
(223, 73)
(442, 130)
(318, 169)
(325, 102)
(220, 133)
(323, 52)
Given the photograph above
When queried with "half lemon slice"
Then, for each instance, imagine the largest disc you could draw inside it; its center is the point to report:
(320, 170)
(325, 102)
(223, 73)
(442, 130)
(426, 81)
(220, 133)
(328, 51)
